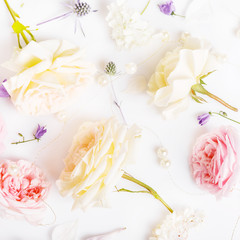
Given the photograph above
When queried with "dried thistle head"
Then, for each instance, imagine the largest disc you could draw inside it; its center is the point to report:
(111, 68)
(82, 8)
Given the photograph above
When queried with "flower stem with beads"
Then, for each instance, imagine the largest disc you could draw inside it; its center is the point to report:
(224, 115)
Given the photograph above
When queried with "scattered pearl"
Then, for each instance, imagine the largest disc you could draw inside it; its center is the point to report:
(62, 116)
(164, 36)
(131, 68)
(221, 58)
(165, 162)
(184, 37)
(238, 33)
(103, 79)
(162, 152)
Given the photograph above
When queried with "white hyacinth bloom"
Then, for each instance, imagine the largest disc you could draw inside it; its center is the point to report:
(128, 28)
(177, 225)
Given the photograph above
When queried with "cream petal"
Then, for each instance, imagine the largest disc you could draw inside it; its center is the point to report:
(174, 109)
(66, 231)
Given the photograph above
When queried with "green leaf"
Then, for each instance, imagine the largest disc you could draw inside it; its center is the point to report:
(205, 75)
(202, 82)
(198, 99)
(199, 88)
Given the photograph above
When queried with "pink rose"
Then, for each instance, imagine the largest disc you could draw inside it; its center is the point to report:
(215, 160)
(22, 187)
(2, 135)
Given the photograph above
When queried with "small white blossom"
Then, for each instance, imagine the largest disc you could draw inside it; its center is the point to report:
(128, 29)
(177, 225)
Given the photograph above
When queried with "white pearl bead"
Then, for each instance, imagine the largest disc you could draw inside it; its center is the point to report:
(62, 116)
(165, 162)
(162, 152)
(184, 37)
(165, 36)
(103, 79)
(221, 58)
(131, 68)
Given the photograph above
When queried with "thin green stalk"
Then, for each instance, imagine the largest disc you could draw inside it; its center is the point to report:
(221, 101)
(174, 14)
(200, 89)
(130, 191)
(224, 117)
(24, 141)
(149, 189)
(15, 20)
(145, 7)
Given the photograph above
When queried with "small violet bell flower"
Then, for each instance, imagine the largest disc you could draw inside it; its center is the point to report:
(40, 132)
(3, 91)
(167, 8)
(203, 119)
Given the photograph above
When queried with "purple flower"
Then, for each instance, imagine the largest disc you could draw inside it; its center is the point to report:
(3, 91)
(167, 8)
(40, 132)
(203, 119)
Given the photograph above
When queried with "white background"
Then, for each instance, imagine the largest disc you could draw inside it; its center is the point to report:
(216, 21)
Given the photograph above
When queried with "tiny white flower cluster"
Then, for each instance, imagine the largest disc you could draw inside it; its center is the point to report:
(128, 29)
(177, 225)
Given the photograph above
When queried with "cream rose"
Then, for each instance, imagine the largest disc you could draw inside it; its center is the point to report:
(175, 74)
(93, 166)
(49, 74)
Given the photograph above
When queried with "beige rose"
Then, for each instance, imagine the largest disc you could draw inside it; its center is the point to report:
(49, 74)
(93, 166)
(175, 74)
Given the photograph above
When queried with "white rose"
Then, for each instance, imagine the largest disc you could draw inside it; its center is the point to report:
(49, 75)
(95, 161)
(175, 74)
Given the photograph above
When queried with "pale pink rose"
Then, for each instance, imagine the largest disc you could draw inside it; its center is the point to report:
(2, 134)
(215, 160)
(23, 187)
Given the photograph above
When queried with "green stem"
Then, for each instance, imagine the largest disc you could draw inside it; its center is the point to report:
(224, 117)
(24, 141)
(149, 189)
(145, 7)
(221, 101)
(15, 20)
(200, 89)
(130, 191)
(174, 14)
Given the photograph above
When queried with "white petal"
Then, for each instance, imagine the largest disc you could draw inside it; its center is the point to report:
(66, 231)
